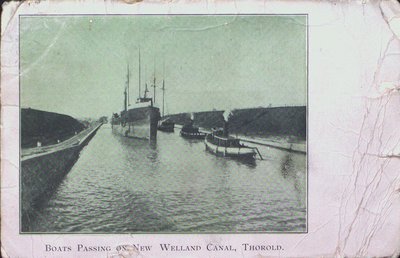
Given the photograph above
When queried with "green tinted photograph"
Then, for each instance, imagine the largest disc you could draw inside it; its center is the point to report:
(163, 123)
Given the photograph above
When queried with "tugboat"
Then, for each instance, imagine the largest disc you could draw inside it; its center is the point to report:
(220, 143)
(165, 125)
(191, 132)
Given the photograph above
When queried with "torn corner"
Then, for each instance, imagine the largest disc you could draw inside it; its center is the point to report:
(3, 252)
(8, 13)
(391, 14)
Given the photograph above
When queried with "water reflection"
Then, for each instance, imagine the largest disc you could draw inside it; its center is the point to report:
(293, 174)
(128, 185)
(250, 163)
(287, 165)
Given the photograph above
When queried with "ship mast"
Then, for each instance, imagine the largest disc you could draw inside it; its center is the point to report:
(145, 91)
(154, 82)
(125, 100)
(139, 74)
(163, 97)
(128, 95)
(163, 89)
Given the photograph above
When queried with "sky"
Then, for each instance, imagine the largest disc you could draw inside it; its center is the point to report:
(77, 65)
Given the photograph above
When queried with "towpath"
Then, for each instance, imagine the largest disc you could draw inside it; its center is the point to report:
(75, 140)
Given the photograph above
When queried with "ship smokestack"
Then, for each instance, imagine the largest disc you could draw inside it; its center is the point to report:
(191, 121)
(226, 129)
(125, 100)
(227, 114)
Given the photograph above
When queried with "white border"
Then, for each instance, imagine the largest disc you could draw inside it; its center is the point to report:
(346, 72)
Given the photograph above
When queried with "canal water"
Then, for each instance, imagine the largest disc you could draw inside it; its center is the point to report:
(121, 185)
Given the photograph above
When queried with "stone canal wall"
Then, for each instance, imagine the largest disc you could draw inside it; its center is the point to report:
(41, 174)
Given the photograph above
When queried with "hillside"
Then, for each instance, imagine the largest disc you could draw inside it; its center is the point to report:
(253, 121)
(46, 127)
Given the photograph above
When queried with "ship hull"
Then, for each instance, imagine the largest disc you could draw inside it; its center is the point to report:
(166, 127)
(193, 135)
(137, 123)
(233, 152)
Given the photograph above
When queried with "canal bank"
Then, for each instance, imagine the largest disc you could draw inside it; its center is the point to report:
(43, 168)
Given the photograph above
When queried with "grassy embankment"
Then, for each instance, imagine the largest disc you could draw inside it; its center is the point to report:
(46, 127)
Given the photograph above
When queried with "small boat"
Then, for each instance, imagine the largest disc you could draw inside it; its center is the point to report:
(166, 125)
(191, 132)
(222, 145)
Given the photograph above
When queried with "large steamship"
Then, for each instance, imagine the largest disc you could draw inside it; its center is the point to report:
(140, 119)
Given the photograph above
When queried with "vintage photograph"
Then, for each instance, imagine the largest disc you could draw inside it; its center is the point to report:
(163, 123)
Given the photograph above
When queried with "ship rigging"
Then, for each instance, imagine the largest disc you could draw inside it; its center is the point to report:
(140, 119)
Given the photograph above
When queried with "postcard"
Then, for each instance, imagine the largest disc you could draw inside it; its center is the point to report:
(200, 129)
